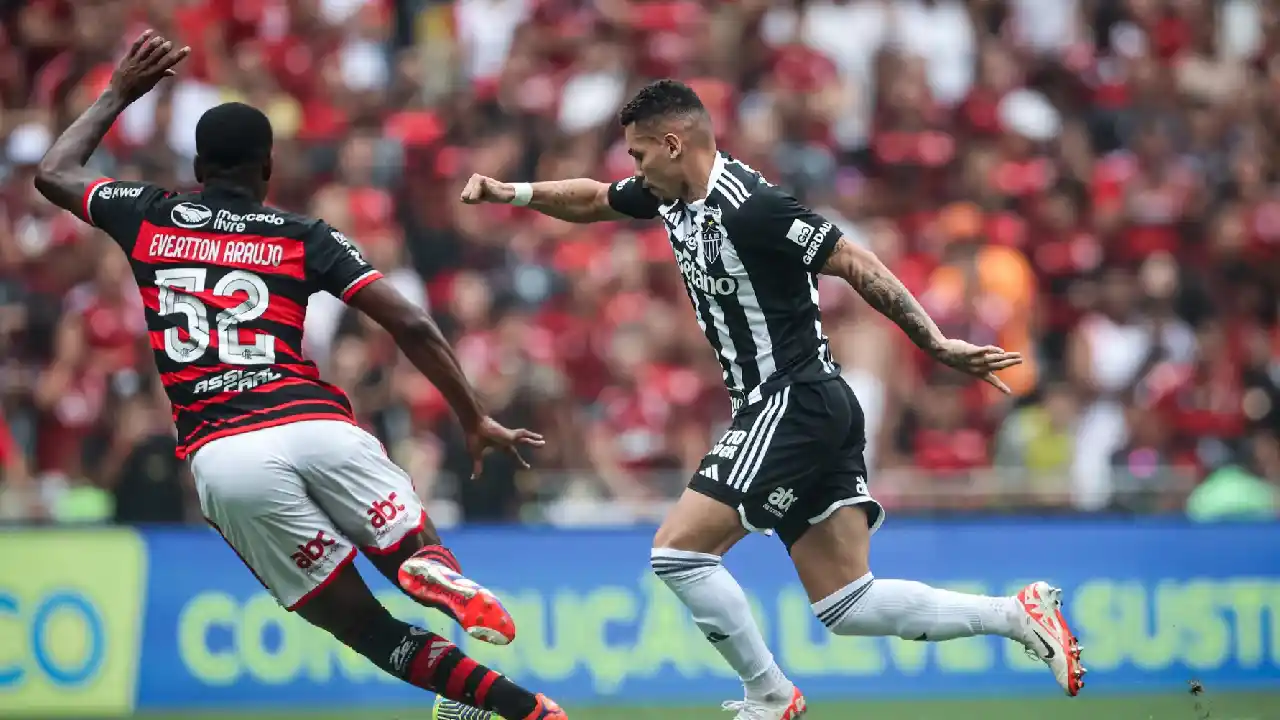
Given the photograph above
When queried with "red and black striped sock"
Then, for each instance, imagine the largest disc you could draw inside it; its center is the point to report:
(440, 554)
(431, 662)
(446, 671)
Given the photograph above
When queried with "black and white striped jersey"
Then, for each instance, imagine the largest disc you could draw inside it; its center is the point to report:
(749, 254)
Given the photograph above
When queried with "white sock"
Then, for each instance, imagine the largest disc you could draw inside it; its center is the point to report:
(914, 611)
(722, 613)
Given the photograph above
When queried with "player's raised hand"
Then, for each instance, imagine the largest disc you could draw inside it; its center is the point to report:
(151, 59)
(488, 434)
(481, 189)
(980, 361)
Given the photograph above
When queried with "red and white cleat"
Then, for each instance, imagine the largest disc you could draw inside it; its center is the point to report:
(477, 610)
(785, 709)
(1048, 637)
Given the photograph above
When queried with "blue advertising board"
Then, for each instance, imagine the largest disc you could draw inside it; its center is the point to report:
(1154, 602)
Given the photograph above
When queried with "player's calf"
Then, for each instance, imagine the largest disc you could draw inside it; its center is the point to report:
(914, 611)
(432, 663)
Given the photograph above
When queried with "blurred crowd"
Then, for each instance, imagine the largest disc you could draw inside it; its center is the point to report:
(1095, 183)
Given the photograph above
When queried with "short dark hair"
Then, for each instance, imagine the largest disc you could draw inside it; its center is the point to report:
(233, 135)
(659, 99)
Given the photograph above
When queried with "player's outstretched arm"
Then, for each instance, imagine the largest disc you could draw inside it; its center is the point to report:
(418, 336)
(61, 176)
(885, 292)
(579, 200)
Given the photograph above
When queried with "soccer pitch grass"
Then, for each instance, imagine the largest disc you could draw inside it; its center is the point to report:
(1168, 706)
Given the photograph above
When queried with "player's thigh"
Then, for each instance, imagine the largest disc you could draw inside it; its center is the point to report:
(253, 496)
(829, 535)
(834, 552)
(700, 523)
(368, 497)
(706, 517)
(767, 448)
(343, 605)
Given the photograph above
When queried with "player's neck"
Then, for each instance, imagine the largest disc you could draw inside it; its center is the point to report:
(232, 186)
(699, 173)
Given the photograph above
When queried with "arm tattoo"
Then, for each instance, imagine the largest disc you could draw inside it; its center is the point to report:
(884, 292)
(576, 200)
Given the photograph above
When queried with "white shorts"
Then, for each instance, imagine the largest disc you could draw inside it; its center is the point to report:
(295, 501)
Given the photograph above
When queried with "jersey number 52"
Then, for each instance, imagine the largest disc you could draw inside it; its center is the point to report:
(230, 350)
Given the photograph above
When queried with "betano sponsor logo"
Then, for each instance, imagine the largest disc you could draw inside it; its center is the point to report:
(703, 281)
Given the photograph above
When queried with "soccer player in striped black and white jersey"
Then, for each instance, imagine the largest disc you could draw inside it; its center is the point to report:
(792, 459)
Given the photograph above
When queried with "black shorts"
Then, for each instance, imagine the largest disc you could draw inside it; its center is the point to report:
(788, 462)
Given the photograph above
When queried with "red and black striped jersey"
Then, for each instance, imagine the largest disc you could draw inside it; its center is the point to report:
(225, 282)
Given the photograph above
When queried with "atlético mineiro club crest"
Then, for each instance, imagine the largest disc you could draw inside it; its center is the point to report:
(712, 234)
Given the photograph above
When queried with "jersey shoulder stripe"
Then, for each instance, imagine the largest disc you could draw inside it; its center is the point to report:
(735, 183)
(743, 175)
(729, 191)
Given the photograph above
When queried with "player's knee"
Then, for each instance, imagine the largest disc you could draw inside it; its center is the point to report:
(700, 524)
(681, 567)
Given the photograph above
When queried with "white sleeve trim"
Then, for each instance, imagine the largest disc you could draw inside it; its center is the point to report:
(357, 281)
(88, 203)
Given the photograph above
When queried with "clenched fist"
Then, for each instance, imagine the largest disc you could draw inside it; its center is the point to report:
(481, 189)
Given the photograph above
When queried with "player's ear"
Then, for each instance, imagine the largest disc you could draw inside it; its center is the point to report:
(198, 168)
(266, 170)
(673, 145)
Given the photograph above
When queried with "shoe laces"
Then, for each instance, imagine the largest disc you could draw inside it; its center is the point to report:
(1028, 622)
(745, 708)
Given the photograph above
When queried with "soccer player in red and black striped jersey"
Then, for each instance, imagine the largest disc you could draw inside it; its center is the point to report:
(282, 470)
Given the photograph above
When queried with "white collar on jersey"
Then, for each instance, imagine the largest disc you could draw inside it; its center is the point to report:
(717, 169)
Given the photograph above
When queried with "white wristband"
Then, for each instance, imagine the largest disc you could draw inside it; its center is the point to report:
(523, 193)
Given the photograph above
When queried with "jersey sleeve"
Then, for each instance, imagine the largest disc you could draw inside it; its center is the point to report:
(630, 197)
(118, 207)
(772, 221)
(334, 263)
